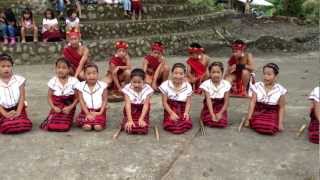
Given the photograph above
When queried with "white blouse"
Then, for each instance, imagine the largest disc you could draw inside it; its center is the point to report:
(270, 98)
(167, 88)
(92, 99)
(216, 91)
(67, 89)
(73, 23)
(48, 22)
(10, 93)
(137, 97)
(315, 94)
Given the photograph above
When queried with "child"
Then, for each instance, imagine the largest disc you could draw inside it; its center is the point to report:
(8, 26)
(13, 116)
(267, 106)
(61, 98)
(215, 104)
(126, 7)
(155, 66)
(93, 100)
(240, 67)
(197, 65)
(315, 116)
(72, 21)
(176, 100)
(119, 69)
(136, 9)
(50, 27)
(137, 104)
(28, 24)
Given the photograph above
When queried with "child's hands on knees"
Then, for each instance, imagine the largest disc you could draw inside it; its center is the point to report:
(129, 125)
(142, 123)
(174, 116)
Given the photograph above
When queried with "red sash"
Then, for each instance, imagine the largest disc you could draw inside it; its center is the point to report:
(197, 67)
(71, 54)
(153, 62)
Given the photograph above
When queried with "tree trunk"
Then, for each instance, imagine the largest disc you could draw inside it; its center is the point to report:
(286, 7)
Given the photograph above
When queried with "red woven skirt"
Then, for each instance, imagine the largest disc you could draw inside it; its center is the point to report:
(59, 122)
(181, 125)
(313, 128)
(265, 119)
(206, 117)
(15, 125)
(99, 120)
(238, 88)
(52, 35)
(136, 110)
(136, 6)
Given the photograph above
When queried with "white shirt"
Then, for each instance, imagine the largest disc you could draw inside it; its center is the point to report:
(10, 93)
(216, 91)
(67, 89)
(73, 23)
(137, 97)
(315, 94)
(270, 98)
(48, 22)
(167, 88)
(93, 100)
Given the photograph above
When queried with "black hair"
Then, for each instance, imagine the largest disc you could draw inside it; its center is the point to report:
(9, 15)
(6, 57)
(51, 11)
(138, 72)
(90, 65)
(238, 41)
(71, 11)
(195, 45)
(63, 60)
(179, 65)
(218, 64)
(273, 66)
(27, 11)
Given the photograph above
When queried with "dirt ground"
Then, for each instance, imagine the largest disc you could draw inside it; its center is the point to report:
(221, 154)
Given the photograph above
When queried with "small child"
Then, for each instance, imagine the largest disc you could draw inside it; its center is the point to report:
(72, 21)
(176, 100)
(50, 27)
(28, 24)
(197, 65)
(137, 104)
(126, 7)
(155, 66)
(215, 104)
(93, 100)
(8, 26)
(62, 99)
(314, 116)
(13, 116)
(267, 107)
(136, 9)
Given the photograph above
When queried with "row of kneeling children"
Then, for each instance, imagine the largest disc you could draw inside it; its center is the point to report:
(265, 114)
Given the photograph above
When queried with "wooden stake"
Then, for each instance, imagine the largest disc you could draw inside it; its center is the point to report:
(243, 120)
(301, 130)
(157, 133)
(116, 135)
(202, 128)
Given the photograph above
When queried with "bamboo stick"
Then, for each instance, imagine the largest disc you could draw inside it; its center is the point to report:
(117, 134)
(156, 130)
(301, 130)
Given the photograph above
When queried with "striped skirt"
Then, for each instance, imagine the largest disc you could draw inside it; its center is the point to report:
(206, 117)
(99, 120)
(181, 125)
(313, 129)
(136, 110)
(19, 124)
(59, 122)
(265, 119)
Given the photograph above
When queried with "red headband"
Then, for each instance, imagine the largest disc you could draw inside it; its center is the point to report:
(195, 50)
(238, 46)
(121, 45)
(157, 47)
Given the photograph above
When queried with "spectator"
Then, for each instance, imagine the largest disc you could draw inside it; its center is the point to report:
(126, 7)
(136, 9)
(50, 27)
(75, 4)
(72, 21)
(28, 24)
(8, 26)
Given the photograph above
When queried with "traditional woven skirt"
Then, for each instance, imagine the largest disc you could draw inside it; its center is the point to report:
(136, 6)
(181, 125)
(15, 125)
(265, 119)
(59, 122)
(313, 128)
(99, 120)
(136, 110)
(52, 36)
(206, 117)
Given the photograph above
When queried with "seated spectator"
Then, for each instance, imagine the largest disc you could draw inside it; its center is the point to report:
(8, 27)
(50, 27)
(72, 21)
(75, 4)
(136, 9)
(28, 24)
(126, 6)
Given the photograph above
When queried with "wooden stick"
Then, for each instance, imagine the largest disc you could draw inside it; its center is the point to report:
(116, 135)
(202, 128)
(301, 130)
(243, 120)
(156, 130)
(223, 37)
